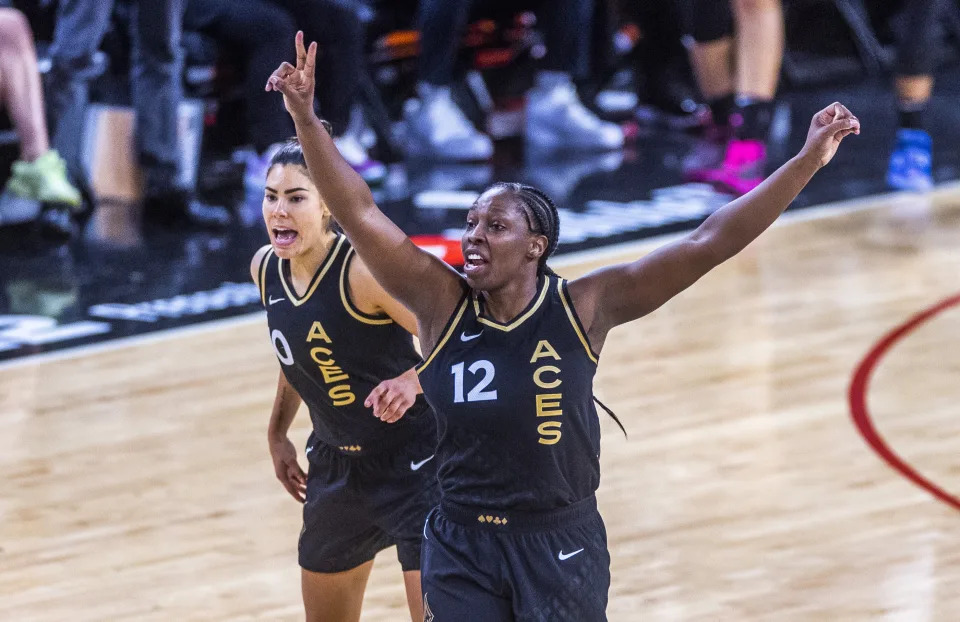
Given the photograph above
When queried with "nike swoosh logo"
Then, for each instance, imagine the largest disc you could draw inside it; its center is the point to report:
(273, 302)
(562, 556)
(465, 337)
(415, 466)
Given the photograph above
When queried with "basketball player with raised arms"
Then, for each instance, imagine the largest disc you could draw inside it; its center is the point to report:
(345, 348)
(510, 351)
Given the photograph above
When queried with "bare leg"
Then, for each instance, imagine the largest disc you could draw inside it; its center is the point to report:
(911, 163)
(20, 88)
(712, 63)
(713, 67)
(411, 581)
(917, 53)
(914, 88)
(711, 28)
(759, 26)
(335, 596)
(758, 52)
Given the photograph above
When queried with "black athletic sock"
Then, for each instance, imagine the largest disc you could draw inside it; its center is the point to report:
(721, 108)
(911, 114)
(756, 117)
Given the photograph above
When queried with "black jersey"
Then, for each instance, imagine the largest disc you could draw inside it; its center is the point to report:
(518, 427)
(333, 354)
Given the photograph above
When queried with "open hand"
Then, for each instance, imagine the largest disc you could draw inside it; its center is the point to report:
(287, 469)
(296, 83)
(391, 398)
(828, 128)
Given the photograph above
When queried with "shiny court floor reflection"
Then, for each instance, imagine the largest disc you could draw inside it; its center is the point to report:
(149, 277)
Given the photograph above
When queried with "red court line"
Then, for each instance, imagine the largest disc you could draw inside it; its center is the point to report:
(861, 414)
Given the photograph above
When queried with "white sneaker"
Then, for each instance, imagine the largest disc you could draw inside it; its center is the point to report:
(560, 174)
(372, 171)
(256, 166)
(557, 119)
(437, 129)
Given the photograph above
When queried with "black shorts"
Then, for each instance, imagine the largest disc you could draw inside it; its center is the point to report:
(540, 567)
(359, 505)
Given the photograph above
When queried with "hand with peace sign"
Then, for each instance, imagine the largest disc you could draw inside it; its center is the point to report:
(296, 83)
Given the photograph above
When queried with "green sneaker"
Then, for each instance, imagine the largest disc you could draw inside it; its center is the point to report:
(44, 179)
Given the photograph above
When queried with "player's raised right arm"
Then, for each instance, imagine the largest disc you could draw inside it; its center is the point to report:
(423, 283)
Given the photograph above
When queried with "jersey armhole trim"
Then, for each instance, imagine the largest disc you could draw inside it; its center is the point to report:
(575, 320)
(448, 331)
(366, 318)
(262, 276)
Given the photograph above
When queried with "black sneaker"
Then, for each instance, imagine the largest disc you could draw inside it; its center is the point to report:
(175, 209)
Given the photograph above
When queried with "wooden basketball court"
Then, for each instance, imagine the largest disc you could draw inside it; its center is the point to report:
(135, 482)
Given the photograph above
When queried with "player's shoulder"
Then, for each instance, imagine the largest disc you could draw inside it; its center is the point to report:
(362, 288)
(257, 260)
(359, 275)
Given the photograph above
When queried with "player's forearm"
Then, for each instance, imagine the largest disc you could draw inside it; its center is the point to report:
(343, 190)
(731, 228)
(285, 407)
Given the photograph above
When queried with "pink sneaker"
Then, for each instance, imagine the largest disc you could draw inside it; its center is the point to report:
(706, 155)
(742, 167)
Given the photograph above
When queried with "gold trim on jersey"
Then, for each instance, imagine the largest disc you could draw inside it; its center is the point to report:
(455, 320)
(357, 314)
(331, 256)
(568, 306)
(520, 320)
(262, 279)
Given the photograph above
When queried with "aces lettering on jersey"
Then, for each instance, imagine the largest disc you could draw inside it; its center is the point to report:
(341, 393)
(547, 376)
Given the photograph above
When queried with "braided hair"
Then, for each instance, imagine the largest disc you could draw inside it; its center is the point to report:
(542, 217)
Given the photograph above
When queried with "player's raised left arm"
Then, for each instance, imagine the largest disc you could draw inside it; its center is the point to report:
(618, 294)
(425, 284)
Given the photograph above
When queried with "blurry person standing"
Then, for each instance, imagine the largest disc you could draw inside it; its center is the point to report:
(156, 65)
